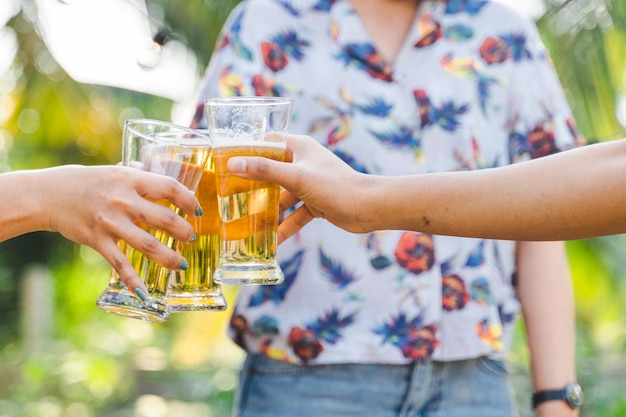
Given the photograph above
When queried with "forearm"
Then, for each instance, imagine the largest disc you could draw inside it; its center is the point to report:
(23, 208)
(572, 195)
(545, 292)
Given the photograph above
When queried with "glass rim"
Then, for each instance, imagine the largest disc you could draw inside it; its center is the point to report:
(243, 100)
(200, 138)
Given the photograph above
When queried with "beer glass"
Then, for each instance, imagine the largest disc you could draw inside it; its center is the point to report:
(247, 126)
(194, 289)
(166, 149)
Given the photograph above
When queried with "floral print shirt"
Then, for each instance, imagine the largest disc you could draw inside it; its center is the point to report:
(471, 88)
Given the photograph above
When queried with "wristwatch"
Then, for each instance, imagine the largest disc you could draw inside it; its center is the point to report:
(572, 394)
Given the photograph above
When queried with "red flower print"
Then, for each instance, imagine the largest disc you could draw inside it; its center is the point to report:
(263, 86)
(421, 343)
(239, 326)
(304, 343)
(378, 68)
(239, 323)
(273, 56)
(541, 142)
(424, 107)
(414, 339)
(430, 37)
(415, 252)
(494, 51)
(454, 295)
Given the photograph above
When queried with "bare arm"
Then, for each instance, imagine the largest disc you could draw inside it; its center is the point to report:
(545, 292)
(98, 206)
(572, 195)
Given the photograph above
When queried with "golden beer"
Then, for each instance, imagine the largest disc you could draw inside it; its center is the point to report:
(116, 298)
(194, 289)
(248, 211)
(155, 277)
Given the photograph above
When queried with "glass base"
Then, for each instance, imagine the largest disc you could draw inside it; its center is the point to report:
(123, 303)
(248, 274)
(196, 301)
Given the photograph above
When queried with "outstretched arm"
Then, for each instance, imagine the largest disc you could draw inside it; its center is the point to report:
(98, 206)
(572, 195)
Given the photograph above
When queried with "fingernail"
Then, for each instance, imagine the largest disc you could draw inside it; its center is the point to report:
(193, 238)
(198, 211)
(142, 295)
(237, 165)
(184, 265)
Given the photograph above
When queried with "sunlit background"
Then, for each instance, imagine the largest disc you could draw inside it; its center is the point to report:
(71, 72)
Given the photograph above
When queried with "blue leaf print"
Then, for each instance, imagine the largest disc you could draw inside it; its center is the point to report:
(498, 260)
(398, 328)
(504, 316)
(446, 267)
(403, 137)
(265, 325)
(335, 272)
(290, 44)
(364, 56)
(480, 292)
(328, 327)
(459, 33)
(236, 43)
(484, 84)
(518, 145)
(348, 159)
(277, 293)
(446, 116)
(377, 259)
(380, 262)
(517, 45)
(355, 53)
(471, 7)
(477, 257)
(289, 7)
(324, 5)
(377, 107)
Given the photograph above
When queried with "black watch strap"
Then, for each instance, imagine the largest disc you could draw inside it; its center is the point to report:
(548, 395)
(572, 394)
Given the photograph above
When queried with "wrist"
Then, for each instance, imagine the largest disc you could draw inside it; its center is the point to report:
(571, 395)
(377, 205)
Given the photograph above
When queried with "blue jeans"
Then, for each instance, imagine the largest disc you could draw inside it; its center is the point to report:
(468, 388)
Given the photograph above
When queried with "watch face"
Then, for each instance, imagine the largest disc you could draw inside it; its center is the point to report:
(574, 395)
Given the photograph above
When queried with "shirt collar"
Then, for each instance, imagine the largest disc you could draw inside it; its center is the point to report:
(347, 30)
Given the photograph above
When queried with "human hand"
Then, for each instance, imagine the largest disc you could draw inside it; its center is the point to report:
(99, 206)
(328, 187)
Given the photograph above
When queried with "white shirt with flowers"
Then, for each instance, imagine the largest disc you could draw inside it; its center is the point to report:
(471, 88)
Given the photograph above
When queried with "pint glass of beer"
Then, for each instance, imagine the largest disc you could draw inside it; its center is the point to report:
(166, 149)
(194, 289)
(247, 126)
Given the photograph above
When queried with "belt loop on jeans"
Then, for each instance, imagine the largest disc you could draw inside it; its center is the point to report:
(419, 387)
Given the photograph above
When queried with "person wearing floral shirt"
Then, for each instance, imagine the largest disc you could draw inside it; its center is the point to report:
(399, 323)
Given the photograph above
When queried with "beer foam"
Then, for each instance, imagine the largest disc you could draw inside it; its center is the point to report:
(228, 138)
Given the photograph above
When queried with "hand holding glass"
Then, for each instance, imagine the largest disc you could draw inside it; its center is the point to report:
(247, 126)
(165, 149)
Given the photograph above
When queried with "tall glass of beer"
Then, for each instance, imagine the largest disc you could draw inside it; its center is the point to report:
(194, 289)
(248, 210)
(166, 149)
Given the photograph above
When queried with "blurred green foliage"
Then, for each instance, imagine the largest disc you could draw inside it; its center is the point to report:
(87, 363)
